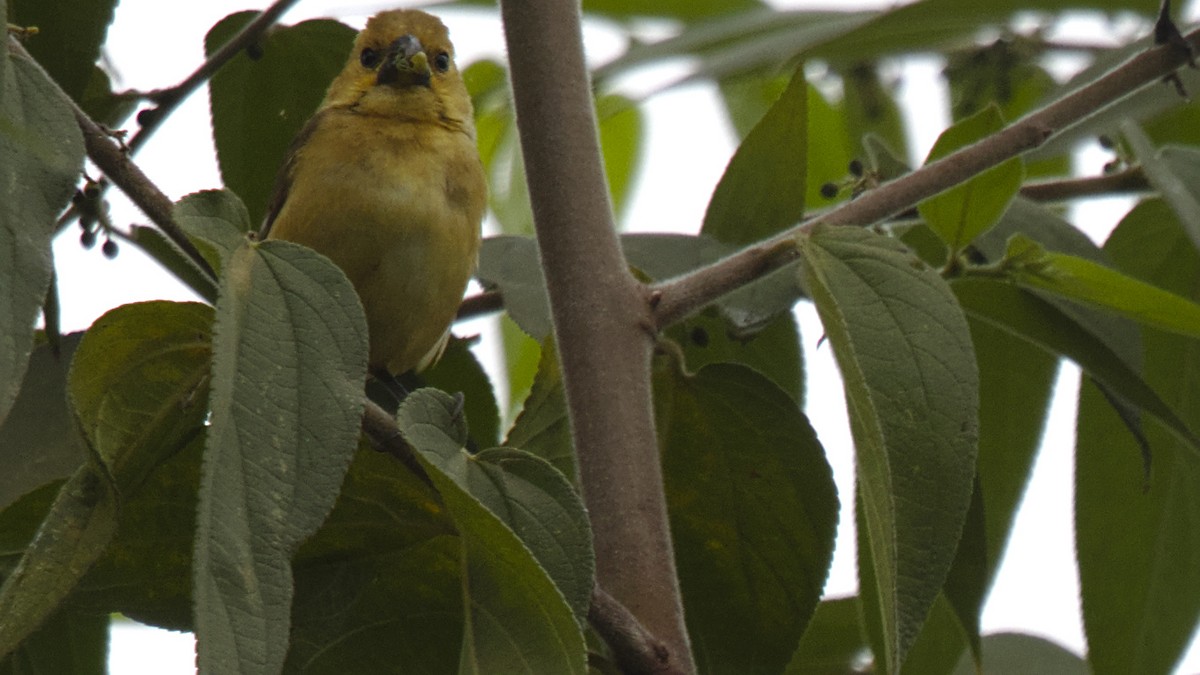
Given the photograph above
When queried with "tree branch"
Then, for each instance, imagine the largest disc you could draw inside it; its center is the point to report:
(601, 317)
(167, 100)
(680, 297)
(1125, 181)
(115, 163)
(637, 652)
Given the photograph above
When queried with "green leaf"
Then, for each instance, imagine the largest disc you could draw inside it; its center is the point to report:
(833, 642)
(968, 209)
(259, 105)
(41, 154)
(871, 111)
(762, 189)
(70, 35)
(1137, 544)
(139, 384)
(543, 427)
(459, 371)
(215, 221)
(69, 642)
(163, 250)
(622, 129)
(517, 619)
(74, 533)
(380, 583)
(39, 441)
(905, 353)
(145, 573)
(753, 512)
(289, 363)
(1034, 319)
(773, 351)
(1084, 281)
(1018, 654)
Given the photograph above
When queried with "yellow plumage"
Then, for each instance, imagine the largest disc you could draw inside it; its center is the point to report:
(386, 181)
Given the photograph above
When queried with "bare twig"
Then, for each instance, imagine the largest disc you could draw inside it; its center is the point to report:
(1129, 180)
(479, 305)
(167, 100)
(682, 296)
(602, 322)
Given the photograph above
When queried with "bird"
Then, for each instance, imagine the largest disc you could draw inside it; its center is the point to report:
(386, 181)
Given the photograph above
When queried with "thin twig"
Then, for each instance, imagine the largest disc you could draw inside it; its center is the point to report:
(479, 305)
(680, 297)
(167, 100)
(1130, 180)
(385, 435)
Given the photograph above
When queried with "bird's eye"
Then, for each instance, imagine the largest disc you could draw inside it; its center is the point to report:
(442, 62)
(369, 58)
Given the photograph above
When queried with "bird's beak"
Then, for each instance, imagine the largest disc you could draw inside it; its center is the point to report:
(405, 64)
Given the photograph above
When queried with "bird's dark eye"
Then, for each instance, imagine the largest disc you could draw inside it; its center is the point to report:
(442, 62)
(369, 58)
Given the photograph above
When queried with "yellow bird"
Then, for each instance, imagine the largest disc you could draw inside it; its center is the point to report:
(386, 181)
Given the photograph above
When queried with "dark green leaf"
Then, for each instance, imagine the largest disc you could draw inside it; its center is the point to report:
(39, 441)
(968, 209)
(70, 35)
(259, 105)
(753, 514)
(762, 190)
(41, 154)
(904, 351)
(380, 583)
(1137, 543)
(543, 427)
(68, 642)
(289, 363)
(74, 533)
(871, 110)
(517, 620)
(139, 384)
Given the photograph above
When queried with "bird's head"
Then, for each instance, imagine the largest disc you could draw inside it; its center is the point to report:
(402, 66)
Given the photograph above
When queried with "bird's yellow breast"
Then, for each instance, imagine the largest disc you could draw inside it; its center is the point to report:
(397, 204)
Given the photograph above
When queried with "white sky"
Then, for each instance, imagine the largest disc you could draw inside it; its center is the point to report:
(1037, 588)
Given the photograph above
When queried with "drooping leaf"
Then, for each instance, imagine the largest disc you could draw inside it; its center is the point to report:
(833, 641)
(1173, 173)
(753, 513)
(215, 221)
(1019, 654)
(41, 154)
(517, 619)
(69, 38)
(904, 351)
(289, 362)
(460, 372)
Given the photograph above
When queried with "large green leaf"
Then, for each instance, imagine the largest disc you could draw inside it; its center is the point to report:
(215, 221)
(380, 584)
(517, 619)
(833, 642)
(968, 209)
(905, 353)
(753, 513)
(289, 363)
(762, 189)
(41, 154)
(139, 384)
(1138, 543)
(68, 642)
(259, 104)
(1018, 654)
(1173, 172)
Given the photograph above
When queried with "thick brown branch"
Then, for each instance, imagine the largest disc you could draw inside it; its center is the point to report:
(680, 297)
(601, 317)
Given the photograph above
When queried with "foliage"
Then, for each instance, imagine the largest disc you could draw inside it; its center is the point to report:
(202, 467)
